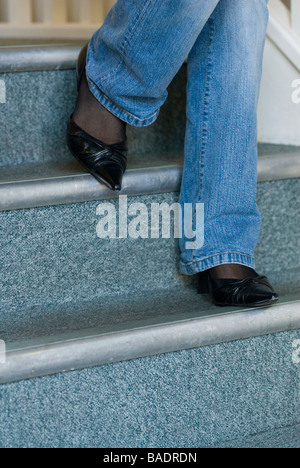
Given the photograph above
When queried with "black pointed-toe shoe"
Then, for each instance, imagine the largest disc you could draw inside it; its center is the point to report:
(249, 292)
(107, 163)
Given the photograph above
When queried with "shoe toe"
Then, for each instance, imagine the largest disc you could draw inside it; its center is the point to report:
(261, 293)
(111, 175)
(260, 296)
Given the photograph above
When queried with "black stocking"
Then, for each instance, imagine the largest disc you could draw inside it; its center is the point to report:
(231, 271)
(95, 119)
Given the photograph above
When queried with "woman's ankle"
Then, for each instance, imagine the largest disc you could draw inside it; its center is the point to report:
(231, 271)
(95, 119)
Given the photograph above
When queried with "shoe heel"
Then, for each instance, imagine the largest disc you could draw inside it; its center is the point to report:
(81, 64)
(203, 286)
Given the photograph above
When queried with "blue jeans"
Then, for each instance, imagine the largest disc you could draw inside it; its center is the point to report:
(131, 61)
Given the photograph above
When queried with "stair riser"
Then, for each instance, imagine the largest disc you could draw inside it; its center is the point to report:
(194, 398)
(53, 255)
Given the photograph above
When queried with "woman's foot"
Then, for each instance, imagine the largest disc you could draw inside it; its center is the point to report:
(95, 137)
(238, 285)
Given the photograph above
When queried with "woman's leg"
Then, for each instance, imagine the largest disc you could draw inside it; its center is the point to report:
(224, 69)
(131, 61)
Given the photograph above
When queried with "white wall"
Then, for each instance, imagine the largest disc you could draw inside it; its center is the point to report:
(279, 105)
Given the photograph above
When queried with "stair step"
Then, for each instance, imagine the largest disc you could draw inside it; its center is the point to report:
(52, 255)
(218, 395)
(65, 288)
(37, 185)
(54, 183)
(140, 329)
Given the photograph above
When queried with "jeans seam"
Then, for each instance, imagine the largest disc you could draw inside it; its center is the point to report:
(127, 39)
(133, 30)
(204, 131)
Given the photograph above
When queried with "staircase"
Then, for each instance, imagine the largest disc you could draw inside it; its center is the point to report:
(106, 344)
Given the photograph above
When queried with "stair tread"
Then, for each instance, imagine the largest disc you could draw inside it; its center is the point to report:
(70, 168)
(143, 336)
(66, 182)
(109, 315)
(115, 315)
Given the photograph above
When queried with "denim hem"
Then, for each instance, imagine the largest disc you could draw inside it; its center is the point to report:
(122, 114)
(199, 265)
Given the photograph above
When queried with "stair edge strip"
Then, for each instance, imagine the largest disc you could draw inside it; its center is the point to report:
(149, 341)
(48, 57)
(84, 188)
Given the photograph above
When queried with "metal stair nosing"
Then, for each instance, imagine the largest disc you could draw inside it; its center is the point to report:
(44, 57)
(82, 187)
(35, 359)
